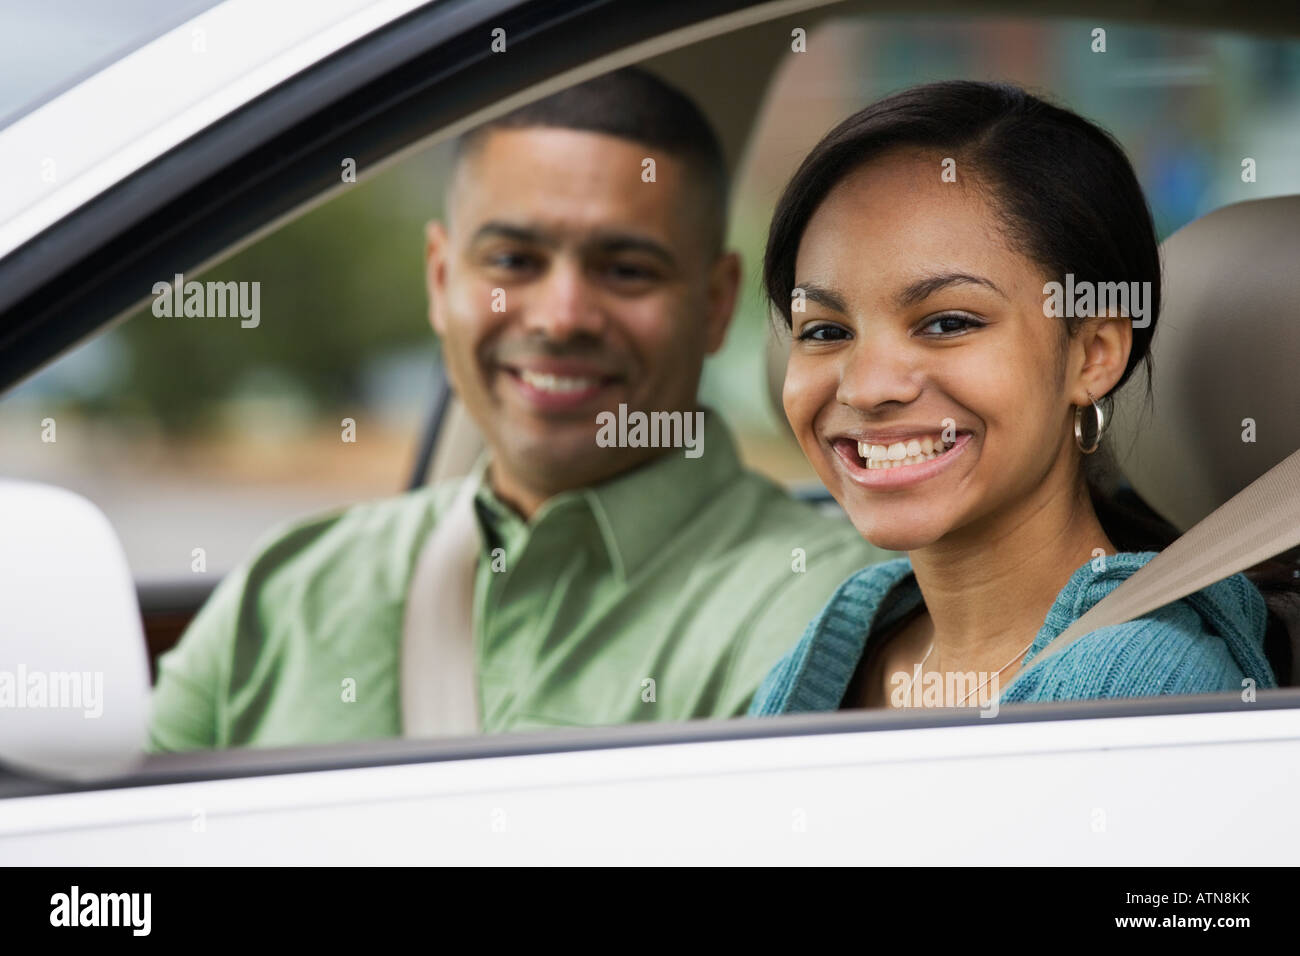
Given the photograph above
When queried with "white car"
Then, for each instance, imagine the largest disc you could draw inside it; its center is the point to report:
(207, 134)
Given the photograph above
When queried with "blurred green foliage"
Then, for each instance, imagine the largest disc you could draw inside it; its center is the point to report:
(336, 282)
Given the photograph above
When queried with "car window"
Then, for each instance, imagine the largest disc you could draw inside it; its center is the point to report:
(202, 434)
(1181, 102)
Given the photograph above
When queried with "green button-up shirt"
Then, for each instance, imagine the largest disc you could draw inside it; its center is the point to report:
(666, 593)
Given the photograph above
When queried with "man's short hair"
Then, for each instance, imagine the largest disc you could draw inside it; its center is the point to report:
(635, 105)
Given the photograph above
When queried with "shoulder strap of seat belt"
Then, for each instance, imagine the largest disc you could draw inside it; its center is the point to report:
(439, 678)
(1262, 520)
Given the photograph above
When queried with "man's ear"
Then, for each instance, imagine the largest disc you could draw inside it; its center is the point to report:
(724, 287)
(435, 273)
(1105, 345)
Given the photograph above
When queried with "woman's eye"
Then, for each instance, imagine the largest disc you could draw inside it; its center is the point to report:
(823, 333)
(950, 324)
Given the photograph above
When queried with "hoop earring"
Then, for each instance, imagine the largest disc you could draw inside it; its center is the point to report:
(1102, 423)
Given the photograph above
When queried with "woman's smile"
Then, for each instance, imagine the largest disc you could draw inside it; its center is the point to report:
(902, 463)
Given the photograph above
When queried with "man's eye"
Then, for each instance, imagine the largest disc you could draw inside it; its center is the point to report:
(823, 333)
(951, 324)
(629, 272)
(511, 261)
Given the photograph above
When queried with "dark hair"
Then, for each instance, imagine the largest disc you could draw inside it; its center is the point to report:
(1071, 200)
(636, 105)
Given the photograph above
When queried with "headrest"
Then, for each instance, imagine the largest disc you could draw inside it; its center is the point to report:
(1226, 388)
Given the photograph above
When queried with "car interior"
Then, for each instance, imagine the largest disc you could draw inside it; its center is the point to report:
(1228, 340)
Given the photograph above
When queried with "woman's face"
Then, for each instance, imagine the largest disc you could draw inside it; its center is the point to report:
(925, 384)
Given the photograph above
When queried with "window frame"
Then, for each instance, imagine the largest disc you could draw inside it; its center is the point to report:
(199, 766)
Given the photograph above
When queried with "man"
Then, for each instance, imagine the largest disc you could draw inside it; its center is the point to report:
(580, 277)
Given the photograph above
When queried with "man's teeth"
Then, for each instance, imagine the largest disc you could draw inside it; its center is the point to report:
(557, 384)
(900, 453)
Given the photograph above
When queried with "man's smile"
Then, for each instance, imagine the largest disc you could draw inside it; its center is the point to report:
(560, 385)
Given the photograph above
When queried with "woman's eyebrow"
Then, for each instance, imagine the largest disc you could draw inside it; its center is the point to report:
(812, 292)
(922, 289)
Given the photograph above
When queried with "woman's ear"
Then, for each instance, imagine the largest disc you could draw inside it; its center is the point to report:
(1103, 346)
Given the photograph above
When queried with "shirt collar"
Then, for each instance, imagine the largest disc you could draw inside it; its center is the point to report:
(636, 512)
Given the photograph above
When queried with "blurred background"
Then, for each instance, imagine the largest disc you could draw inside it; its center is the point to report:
(198, 433)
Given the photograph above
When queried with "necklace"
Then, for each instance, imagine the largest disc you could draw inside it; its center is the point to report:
(1019, 654)
(917, 673)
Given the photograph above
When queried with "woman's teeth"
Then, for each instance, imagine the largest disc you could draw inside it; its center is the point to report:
(900, 454)
(557, 384)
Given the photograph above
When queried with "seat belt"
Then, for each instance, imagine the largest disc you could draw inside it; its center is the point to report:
(1260, 521)
(439, 679)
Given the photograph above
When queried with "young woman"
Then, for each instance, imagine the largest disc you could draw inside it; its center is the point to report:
(949, 397)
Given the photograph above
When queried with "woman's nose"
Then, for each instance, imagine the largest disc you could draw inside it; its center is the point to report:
(875, 373)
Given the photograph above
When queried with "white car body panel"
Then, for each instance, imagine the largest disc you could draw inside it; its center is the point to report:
(119, 120)
(1167, 790)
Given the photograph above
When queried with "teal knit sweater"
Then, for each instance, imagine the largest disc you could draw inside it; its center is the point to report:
(1206, 642)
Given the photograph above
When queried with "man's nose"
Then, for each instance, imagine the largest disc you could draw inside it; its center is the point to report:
(876, 371)
(565, 306)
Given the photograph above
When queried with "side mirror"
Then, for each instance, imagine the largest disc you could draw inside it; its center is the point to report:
(74, 671)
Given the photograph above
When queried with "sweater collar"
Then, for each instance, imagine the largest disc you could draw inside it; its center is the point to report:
(871, 601)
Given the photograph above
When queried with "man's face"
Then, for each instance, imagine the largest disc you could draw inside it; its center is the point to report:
(564, 285)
